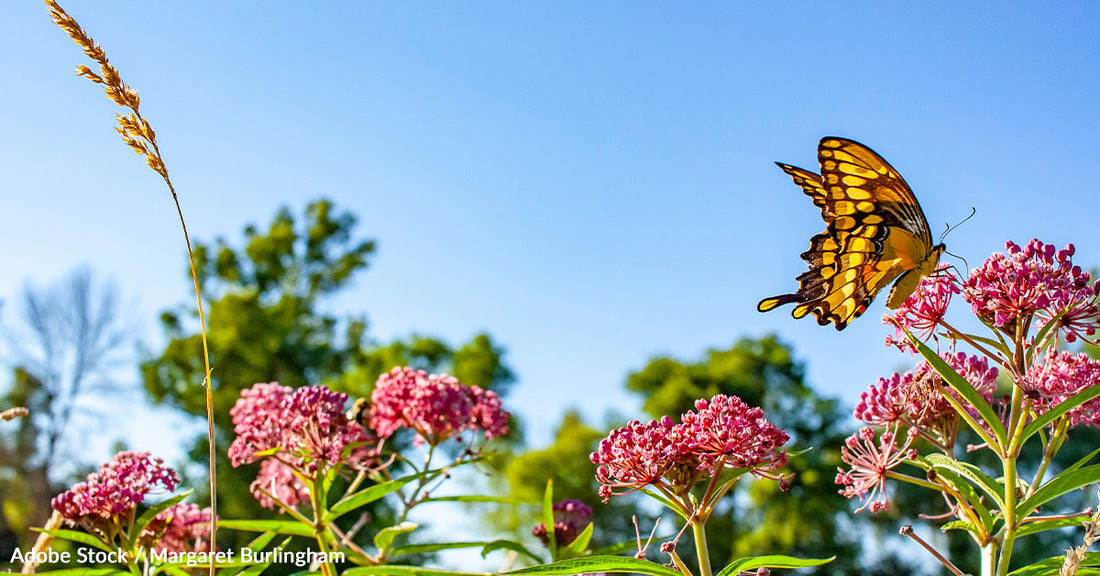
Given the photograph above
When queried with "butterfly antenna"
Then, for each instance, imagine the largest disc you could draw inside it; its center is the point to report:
(955, 267)
(973, 211)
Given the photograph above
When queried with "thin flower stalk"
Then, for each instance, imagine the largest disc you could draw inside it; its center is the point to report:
(138, 134)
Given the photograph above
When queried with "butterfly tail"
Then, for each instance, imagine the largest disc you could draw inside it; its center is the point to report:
(774, 302)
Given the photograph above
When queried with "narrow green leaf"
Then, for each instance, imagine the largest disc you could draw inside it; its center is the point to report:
(1036, 526)
(80, 572)
(612, 564)
(1060, 484)
(289, 527)
(773, 561)
(384, 538)
(509, 545)
(958, 525)
(1083, 461)
(76, 536)
(150, 513)
(974, 476)
(1062, 407)
(964, 388)
(1050, 566)
(477, 498)
(548, 518)
(173, 570)
(580, 543)
(365, 496)
(405, 571)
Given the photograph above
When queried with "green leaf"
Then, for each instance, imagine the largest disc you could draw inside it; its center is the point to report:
(147, 516)
(384, 538)
(290, 527)
(405, 571)
(1050, 566)
(173, 570)
(774, 561)
(958, 525)
(580, 543)
(366, 496)
(612, 564)
(75, 536)
(489, 499)
(548, 518)
(1062, 407)
(964, 388)
(1060, 484)
(955, 471)
(508, 545)
(80, 572)
(1036, 526)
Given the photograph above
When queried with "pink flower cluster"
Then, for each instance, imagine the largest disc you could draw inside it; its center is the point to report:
(1060, 376)
(294, 430)
(570, 517)
(110, 495)
(917, 397)
(437, 407)
(1038, 278)
(182, 528)
(721, 433)
(307, 423)
(923, 310)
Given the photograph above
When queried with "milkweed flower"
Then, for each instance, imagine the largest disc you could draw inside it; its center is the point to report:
(917, 397)
(1036, 279)
(278, 480)
(306, 424)
(923, 310)
(436, 407)
(109, 496)
(1060, 376)
(723, 431)
(570, 517)
(869, 462)
(182, 528)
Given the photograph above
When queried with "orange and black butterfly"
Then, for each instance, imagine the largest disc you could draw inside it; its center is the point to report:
(876, 233)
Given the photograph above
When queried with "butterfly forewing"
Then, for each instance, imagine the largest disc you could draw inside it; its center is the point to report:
(876, 231)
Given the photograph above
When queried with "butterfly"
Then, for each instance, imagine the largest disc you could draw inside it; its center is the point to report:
(876, 233)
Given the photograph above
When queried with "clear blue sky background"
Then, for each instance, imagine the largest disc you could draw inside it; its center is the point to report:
(591, 183)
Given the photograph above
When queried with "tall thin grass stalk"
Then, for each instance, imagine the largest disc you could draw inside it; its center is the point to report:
(138, 134)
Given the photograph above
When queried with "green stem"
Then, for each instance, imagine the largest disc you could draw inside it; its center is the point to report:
(320, 527)
(698, 530)
(1011, 480)
(989, 559)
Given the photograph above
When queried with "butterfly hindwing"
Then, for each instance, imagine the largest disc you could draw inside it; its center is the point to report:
(876, 232)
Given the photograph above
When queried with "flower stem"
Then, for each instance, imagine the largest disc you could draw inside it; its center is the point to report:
(698, 530)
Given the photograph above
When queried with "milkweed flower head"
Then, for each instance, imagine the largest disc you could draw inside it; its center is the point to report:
(923, 310)
(306, 425)
(180, 529)
(436, 407)
(1037, 279)
(278, 482)
(723, 432)
(917, 397)
(570, 517)
(109, 496)
(1060, 376)
(869, 462)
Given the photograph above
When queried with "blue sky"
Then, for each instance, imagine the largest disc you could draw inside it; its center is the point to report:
(591, 183)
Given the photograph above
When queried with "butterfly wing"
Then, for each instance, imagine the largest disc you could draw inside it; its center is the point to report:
(876, 232)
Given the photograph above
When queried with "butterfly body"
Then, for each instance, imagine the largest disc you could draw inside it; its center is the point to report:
(876, 233)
